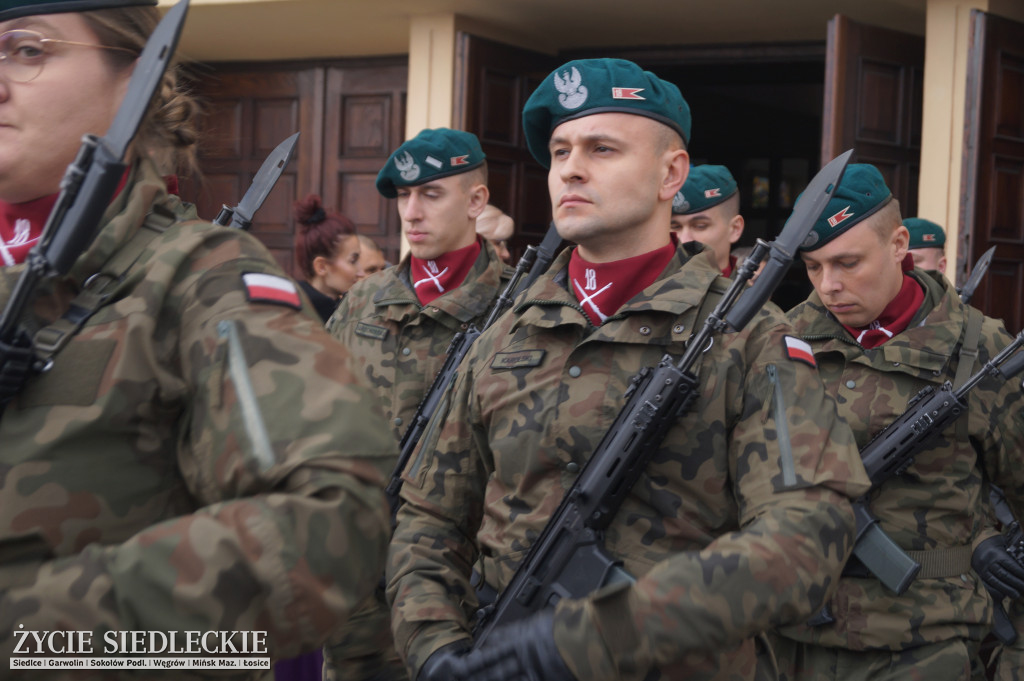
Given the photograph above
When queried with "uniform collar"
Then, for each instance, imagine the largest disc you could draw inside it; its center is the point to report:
(397, 301)
(924, 345)
(144, 189)
(680, 287)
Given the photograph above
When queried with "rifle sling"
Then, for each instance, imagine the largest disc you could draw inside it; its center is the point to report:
(965, 363)
(51, 339)
(935, 564)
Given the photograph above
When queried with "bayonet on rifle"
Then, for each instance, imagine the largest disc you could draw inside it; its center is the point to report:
(91, 181)
(241, 215)
(977, 274)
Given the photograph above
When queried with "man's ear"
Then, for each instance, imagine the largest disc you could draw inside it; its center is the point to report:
(900, 242)
(479, 195)
(736, 228)
(676, 170)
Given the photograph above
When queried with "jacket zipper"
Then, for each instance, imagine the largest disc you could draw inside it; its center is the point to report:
(782, 428)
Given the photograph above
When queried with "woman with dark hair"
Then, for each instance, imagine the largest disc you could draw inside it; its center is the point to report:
(327, 252)
(197, 457)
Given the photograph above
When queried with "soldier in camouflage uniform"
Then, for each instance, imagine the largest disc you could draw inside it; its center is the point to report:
(399, 323)
(881, 331)
(707, 209)
(200, 456)
(743, 517)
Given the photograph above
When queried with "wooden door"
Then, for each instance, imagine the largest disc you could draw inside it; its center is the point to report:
(364, 123)
(248, 112)
(993, 170)
(873, 103)
(350, 114)
(493, 82)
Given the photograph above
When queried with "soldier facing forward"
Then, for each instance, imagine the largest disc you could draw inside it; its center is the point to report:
(722, 543)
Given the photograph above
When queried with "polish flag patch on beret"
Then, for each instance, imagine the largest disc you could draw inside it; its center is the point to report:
(799, 350)
(270, 288)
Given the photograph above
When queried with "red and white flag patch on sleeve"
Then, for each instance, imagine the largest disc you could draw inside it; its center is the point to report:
(799, 350)
(270, 288)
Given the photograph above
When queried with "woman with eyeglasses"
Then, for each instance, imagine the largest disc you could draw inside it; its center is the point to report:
(198, 457)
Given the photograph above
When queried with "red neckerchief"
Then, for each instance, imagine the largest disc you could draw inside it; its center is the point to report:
(602, 288)
(730, 268)
(432, 278)
(21, 224)
(896, 316)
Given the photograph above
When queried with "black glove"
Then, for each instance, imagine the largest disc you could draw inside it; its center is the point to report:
(17, 362)
(1000, 571)
(522, 651)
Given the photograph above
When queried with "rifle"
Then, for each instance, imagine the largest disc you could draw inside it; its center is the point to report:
(240, 217)
(88, 186)
(568, 560)
(892, 451)
(455, 353)
(545, 254)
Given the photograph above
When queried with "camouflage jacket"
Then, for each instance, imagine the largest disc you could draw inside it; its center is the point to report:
(131, 493)
(399, 345)
(731, 529)
(938, 504)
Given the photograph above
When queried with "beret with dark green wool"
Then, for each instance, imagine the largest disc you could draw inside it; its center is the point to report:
(13, 9)
(861, 193)
(706, 186)
(430, 155)
(924, 233)
(591, 86)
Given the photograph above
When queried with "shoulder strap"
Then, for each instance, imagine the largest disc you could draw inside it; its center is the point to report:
(708, 303)
(96, 290)
(965, 362)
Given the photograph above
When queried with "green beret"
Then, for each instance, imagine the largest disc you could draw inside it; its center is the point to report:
(705, 186)
(860, 194)
(924, 233)
(12, 9)
(591, 86)
(428, 156)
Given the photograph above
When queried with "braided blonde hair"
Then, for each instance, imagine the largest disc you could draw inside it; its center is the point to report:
(169, 132)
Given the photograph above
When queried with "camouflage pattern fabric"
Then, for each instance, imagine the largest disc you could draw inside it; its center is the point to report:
(724, 537)
(1009, 659)
(399, 346)
(940, 502)
(130, 498)
(945, 661)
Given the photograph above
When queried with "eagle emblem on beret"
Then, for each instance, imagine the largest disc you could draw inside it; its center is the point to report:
(573, 92)
(680, 203)
(407, 167)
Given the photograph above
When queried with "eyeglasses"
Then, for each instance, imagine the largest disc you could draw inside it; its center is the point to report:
(23, 53)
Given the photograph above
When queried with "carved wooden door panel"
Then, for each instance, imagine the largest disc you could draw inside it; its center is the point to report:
(993, 197)
(873, 103)
(493, 81)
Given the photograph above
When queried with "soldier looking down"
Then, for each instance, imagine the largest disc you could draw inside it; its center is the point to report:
(881, 330)
(398, 323)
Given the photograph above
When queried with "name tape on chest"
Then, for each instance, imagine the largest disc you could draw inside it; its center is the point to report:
(270, 288)
(517, 360)
(371, 331)
(799, 350)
